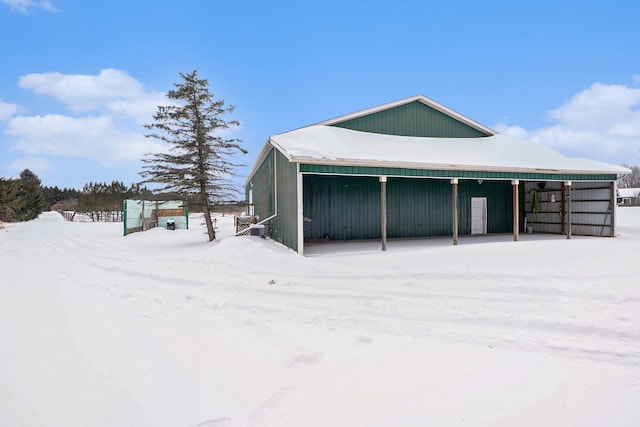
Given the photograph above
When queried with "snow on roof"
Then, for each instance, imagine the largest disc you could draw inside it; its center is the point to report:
(628, 192)
(321, 144)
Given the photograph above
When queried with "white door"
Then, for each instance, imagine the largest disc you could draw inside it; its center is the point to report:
(478, 215)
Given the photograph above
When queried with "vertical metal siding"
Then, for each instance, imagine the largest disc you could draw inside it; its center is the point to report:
(342, 208)
(284, 227)
(413, 119)
(447, 174)
(418, 208)
(591, 208)
(499, 205)
(348, 208)
(263, 192)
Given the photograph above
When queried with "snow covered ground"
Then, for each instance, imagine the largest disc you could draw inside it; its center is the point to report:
(165, 329)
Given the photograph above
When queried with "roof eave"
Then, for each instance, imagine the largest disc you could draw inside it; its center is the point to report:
(440, 166)
(266, 149)
(261, 156)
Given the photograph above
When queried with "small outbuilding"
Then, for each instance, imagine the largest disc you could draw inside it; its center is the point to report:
(143, 215)
(628, 197)
(415, 168)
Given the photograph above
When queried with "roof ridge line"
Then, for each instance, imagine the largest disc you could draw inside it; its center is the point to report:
(420, 98)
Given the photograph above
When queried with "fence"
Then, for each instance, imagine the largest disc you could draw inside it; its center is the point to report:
(95, 216)
(143, 215)
(243, 223)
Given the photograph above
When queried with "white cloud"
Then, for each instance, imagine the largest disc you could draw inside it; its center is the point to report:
(597, 107)
(141, 109)
(513, 131)
(7, 110)
(97, 138)
(599, 123)
(110, 92)
(109, 111)
(23, 6)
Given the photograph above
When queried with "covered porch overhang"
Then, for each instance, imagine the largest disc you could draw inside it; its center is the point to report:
(454, 177)
(387, 159)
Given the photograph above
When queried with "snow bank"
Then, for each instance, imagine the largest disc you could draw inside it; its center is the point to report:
(163, 328)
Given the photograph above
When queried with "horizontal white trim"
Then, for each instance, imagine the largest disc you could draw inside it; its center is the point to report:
(437, 166)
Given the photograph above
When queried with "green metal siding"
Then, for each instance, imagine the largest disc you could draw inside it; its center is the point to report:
(431, 173)
(499, 205)
(421, 208)
(418, 208)
(263, 190)
(413, 119)
(343, 208)
(285, 225)
(348, 208)
(283, 228)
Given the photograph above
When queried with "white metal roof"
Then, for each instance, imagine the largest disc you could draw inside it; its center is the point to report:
(320, 144)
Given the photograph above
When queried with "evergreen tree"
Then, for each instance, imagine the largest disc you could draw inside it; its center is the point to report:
(103, 202)
(31, 197)
(55, 195)
(136, 191)
(199, 158)
(9, 200)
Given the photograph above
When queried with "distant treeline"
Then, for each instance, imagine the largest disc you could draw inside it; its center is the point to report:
(103, 202)
(25, 198)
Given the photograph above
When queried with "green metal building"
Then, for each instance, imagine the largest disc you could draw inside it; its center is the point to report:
(414, 168)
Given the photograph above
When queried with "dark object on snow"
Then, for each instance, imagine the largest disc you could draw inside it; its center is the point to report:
(256, 230)
(171, 225)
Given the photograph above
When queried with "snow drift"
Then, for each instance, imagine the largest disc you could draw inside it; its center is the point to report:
(163, 328)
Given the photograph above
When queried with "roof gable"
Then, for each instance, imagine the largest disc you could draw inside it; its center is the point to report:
(414, 116)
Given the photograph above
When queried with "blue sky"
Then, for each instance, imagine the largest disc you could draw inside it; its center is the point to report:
(79, 79)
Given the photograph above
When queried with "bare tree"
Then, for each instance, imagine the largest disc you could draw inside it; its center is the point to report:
(632, 180)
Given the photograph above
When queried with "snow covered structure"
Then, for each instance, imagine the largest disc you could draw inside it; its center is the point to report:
(415, 168)
(143, 215)
(628, 197)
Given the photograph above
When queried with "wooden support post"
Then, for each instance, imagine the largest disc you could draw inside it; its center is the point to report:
(454, 208)
(383, 211)
(300, 215)
(567, 186)
(144, 219)
(612, 206)
(563, 210)
(516, 212)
